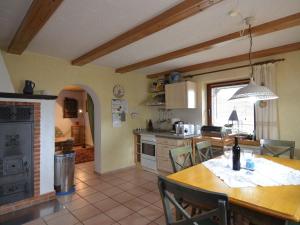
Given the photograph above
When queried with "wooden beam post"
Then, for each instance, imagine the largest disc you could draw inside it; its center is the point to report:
(177, 13)
(233, 59)
(269, 27)
(36, 17)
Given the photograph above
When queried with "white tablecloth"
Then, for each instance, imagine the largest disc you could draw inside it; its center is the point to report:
(266, 173)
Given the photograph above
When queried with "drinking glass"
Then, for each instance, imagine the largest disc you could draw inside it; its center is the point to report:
(248, 154)
(227, 154)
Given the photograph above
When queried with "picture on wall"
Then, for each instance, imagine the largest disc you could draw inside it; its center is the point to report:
(70, 108)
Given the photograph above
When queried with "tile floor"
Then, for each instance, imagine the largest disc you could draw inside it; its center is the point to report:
(129, 197)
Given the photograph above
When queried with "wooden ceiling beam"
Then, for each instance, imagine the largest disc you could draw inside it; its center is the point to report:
(233, 59)
(37, 15)
(269, 27)
(173, 15)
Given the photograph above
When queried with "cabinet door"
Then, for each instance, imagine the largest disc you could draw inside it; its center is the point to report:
(176, 96)
(181, 95)
(191, 95)
(164, 164)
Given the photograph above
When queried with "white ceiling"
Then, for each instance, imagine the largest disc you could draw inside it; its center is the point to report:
(78, 26)
(12, 13)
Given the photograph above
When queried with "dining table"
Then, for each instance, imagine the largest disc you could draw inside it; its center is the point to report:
(260, 204)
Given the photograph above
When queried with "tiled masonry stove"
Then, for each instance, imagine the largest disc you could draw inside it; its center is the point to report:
(26, 150)
(16, 152)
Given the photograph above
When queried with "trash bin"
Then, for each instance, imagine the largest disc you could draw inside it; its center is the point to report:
(64, 164)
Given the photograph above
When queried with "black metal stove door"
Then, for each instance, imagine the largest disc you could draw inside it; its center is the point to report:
(16, 161)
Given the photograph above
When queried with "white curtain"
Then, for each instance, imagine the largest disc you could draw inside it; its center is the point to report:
(266, 112)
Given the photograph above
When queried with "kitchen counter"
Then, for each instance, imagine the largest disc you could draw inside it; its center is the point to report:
(166, 134)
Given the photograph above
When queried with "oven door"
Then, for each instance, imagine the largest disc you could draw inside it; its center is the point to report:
(148, 150)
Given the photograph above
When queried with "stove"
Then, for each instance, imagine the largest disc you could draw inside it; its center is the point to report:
(16, 153)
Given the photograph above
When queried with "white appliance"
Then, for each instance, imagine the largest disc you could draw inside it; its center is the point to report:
(148, 152)
(188, 129)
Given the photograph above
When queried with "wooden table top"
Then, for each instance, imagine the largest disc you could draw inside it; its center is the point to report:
(280, 201)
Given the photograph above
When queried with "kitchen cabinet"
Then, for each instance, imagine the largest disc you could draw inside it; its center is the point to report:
(137, 148)
(182, 95)
(163, 146)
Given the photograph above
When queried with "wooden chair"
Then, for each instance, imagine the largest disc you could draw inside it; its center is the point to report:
(171, 191)
(203, 151)
(181, 158)
(277, 148)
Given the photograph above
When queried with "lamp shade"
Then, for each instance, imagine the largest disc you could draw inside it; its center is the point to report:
(254, 91)
(233, 116)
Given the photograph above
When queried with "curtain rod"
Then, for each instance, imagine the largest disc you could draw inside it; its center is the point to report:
(236, 67)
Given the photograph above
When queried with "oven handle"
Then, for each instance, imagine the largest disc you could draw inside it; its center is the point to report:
(148, 142)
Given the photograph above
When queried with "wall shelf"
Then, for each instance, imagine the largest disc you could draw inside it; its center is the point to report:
(23, 96)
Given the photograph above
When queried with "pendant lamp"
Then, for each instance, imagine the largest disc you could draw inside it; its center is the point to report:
(253, 91)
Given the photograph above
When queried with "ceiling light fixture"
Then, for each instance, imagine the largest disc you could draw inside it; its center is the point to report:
(252, 91)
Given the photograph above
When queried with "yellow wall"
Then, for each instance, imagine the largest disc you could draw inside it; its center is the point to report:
(288, 90)
(54, 74)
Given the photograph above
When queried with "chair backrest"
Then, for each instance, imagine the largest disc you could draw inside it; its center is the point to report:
(277, 148)
(203, 151)
(181, 158)
(171, 194)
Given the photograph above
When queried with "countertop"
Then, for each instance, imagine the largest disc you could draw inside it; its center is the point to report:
(166, 134)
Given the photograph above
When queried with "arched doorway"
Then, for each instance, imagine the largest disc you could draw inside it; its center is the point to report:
(95, 132)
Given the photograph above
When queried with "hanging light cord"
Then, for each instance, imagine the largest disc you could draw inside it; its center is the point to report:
(250, 51)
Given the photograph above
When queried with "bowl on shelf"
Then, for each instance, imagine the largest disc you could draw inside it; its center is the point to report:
(174, 77)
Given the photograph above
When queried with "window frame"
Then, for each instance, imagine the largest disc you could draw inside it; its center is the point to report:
(209, 88)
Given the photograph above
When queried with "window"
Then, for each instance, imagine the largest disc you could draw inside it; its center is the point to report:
(220, 109)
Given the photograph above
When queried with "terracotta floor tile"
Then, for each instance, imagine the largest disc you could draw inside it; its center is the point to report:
(86, 191)
(134, 219)
(161, 220)
(151, 212)
(116, 181)
(106, 204)
(76, 204)
(158, 204)
(65, 219)
(119, 212)
(123, 197)
(127, 177)
(137, 191)
(127, 186)
(57, 214)
(129, 196)
(107, 177)
(95, 197)
(150, 197)
(67, 198)
(38, 221)
(103, 186)
(76, 181)
(139, 181)
(151, 186)
(87, 176)
(86, 212)
(93, 182)
(100, 219)
(112, 191)
(136, 204)
(80, 185)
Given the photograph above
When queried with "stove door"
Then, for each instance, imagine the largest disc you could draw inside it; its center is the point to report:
(16, 160)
